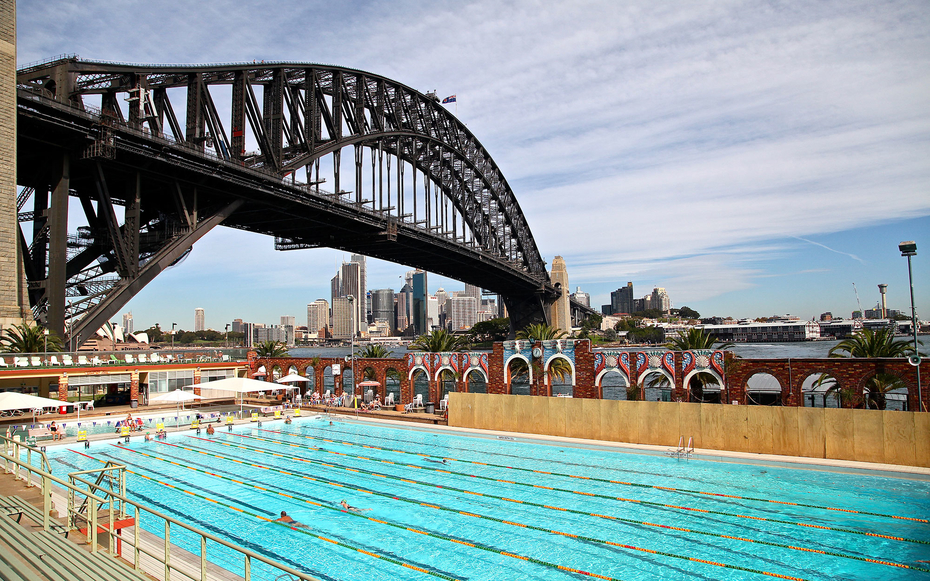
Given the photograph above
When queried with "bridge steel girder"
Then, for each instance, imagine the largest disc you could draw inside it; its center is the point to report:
(308, 114)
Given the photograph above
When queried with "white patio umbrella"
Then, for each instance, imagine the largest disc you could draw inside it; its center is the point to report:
(178, 396)
(13, 400)
(238, 385)
(291, 378)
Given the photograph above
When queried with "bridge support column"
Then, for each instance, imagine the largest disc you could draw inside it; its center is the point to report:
(58, 246)
(14, 304)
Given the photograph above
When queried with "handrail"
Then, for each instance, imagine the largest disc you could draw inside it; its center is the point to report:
(108, 496)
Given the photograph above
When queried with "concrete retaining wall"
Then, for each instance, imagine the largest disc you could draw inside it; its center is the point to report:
(891, 437)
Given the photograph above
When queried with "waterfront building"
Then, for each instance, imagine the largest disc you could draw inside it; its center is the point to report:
(365, 306)
(432, 313)
(198, 320)
(778, 332)
(560, 312)
(839, 328)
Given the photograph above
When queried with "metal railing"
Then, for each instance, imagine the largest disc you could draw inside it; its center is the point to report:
(97, 497)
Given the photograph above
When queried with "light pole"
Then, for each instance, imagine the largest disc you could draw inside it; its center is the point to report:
(45, 346)
(70, 327)
(351, 300)
(173, 325)
(226, 340)
(909, 249)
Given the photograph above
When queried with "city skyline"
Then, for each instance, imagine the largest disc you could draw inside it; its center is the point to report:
(751, 160)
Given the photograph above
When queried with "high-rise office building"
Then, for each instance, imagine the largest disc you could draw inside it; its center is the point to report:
(560, 313)
(659, 300)
(127, 324)
(365, 307)
(249, 330)
(580, 297)
(432, 313)
(344, 313)
(288, 320)
(621, 301)
(198, 320)
(420, 292)
(317, 319)
(382, 307)
(238, 326)
(352, 287)
(461, 312)
(403, 307)
(441, 297)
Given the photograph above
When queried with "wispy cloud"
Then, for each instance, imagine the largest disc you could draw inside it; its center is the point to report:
(824, 246)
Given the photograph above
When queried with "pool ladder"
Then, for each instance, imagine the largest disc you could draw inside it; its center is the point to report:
(682, 451)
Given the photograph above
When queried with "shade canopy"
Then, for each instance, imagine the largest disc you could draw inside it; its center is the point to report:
(176, 396)
(369, 383)
(292, 378)
(12, 400)
(237, 384)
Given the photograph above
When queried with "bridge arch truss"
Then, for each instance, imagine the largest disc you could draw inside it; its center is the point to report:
(313, 155)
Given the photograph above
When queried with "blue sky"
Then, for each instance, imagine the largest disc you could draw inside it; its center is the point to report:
(753, 158)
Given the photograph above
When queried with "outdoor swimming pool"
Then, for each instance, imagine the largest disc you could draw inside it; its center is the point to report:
(500, 509)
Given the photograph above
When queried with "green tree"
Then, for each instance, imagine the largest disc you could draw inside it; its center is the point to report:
(271, 349)
(872, 343)
(155, 334)
(373, 351)
(688, 313)
(592, 323)
(29, 338)
(438, 341)
(491, 330)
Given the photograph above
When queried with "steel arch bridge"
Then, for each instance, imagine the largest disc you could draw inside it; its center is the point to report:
(405, 180)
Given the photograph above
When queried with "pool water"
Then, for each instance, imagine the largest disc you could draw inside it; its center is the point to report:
(447, 505)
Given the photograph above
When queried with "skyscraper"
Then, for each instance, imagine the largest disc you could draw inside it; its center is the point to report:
(351, 286)
(127, 323)
(621, 301)
(461, 312)
(317, 318)
(420, 292)
(198, 320)
(560, 313)
(382, 307)
(403, 308)
(580, 297)
(343, 314)
(365, 306)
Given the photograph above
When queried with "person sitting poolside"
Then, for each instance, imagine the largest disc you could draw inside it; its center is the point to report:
(56, 431)
(288, 520)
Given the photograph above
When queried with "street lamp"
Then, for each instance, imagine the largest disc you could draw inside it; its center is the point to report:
(226, 340)
(909, 249)
(351, 300)
(45, 346)
(173, 325)
(70, 327)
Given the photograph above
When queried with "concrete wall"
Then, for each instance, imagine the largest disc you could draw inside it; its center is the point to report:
(891, 437)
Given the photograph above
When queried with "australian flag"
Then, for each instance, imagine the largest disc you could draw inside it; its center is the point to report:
(449, 99)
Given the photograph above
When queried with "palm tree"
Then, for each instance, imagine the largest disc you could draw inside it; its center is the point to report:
(695, 338)
(690, 340)
(373, 351)
(271, 349)
(29, 338)
(540, 332)
(559, 368)
(872, 343)
(438, 341)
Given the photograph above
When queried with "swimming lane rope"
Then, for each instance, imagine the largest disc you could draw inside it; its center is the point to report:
(442, 508)
(608, 481)
(530, 485)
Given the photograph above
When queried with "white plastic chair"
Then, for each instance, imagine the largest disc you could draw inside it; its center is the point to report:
(82, 360)
(53, 360)
(35, 361)
(129, 359)
(444, 403)
(418, 401)
(21, 361)
(389, 400)
(3, 362)
(143, 358)
(67, 360)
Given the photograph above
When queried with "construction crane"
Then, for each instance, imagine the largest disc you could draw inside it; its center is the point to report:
(861, 312)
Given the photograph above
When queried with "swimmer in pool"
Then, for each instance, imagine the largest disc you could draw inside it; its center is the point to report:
(288, 520)
(347, 506)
